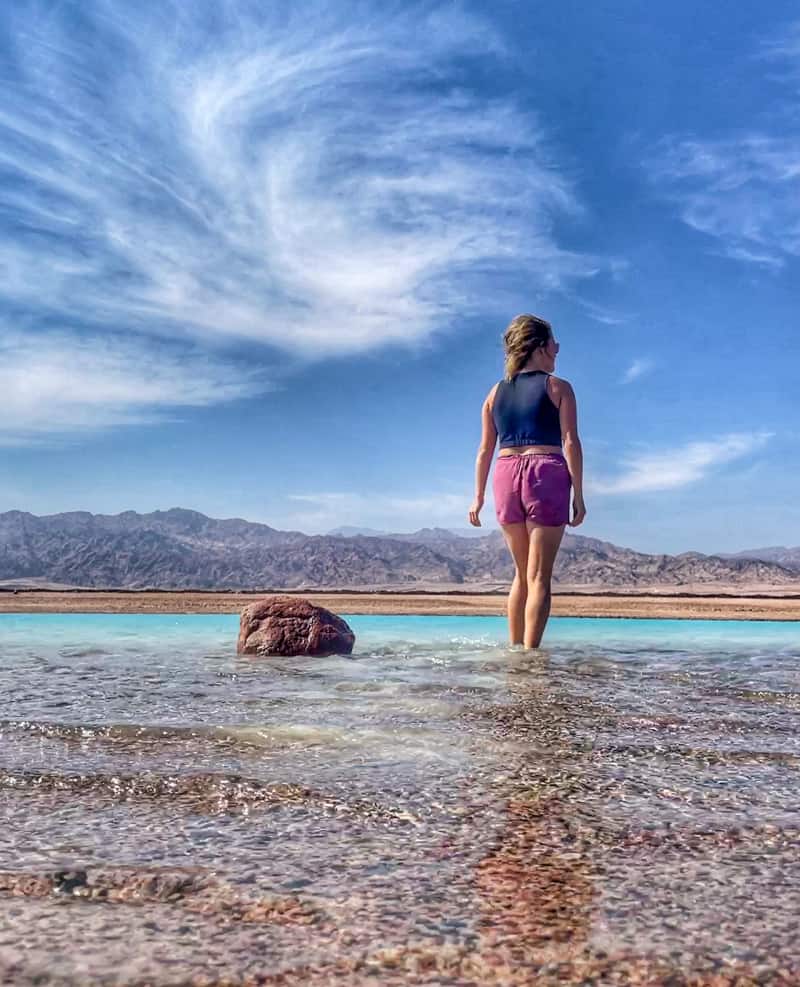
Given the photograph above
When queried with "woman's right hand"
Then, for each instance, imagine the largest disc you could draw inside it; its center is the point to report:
(578, 512)
(474, 511)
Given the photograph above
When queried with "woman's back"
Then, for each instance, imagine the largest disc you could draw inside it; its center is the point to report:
(524, 413)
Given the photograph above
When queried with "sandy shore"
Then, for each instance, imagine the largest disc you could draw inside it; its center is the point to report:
(564, 604)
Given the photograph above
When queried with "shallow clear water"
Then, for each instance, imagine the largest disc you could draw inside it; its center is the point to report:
(435, 807)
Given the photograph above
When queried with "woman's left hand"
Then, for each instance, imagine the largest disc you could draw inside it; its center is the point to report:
(474, 511)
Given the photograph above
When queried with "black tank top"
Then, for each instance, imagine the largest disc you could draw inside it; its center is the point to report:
(523, 413)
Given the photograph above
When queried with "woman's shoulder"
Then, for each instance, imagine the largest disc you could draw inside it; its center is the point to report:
(492, 393)
(558, 388)
(559, 384)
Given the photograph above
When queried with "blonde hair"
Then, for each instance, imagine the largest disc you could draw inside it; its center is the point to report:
(525, 335)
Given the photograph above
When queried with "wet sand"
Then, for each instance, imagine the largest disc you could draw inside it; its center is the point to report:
(687, 606)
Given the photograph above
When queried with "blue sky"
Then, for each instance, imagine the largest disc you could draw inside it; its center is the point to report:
(256, 259)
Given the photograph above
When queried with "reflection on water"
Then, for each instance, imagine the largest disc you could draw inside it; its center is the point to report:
(619, 807)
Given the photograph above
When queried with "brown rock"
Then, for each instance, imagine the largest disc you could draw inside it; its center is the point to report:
(289, 625)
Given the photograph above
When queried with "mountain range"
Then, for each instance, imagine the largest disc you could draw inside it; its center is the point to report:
(182, 549)
(789, 557)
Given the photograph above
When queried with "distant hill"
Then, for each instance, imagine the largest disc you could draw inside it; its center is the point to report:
(789, 557)
(348, 531)
(424, 534)
(180, 549)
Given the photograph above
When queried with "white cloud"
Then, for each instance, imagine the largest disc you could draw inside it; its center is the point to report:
(742, 189)
(325, 510)
(600, 313)
(638, 368)
(784, 47)
(750, 256)
(318, 184)
(59, 383)
(745, 192)
(668, 469)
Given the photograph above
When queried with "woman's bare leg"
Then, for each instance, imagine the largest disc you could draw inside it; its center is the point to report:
(516, 536)
(542, 550)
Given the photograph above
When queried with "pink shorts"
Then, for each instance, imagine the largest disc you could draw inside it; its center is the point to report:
(532, 487)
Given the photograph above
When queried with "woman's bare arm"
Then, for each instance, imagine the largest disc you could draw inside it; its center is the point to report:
(573, 451)
(483, 461)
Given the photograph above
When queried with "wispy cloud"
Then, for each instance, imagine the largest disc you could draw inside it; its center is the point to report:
(601, 313)
(321, 183)
(744, 192)
(59, 383)
(668, 469)
(742, 189)
(784, 47)
(319, 512)
(638, 368)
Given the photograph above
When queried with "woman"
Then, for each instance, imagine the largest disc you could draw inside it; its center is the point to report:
(534, 415)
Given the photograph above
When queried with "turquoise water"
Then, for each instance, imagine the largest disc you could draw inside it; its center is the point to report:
(372, 630)
(189, 813)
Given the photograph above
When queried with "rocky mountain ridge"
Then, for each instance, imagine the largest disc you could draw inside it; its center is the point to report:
(789, 557)
(181, 549)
